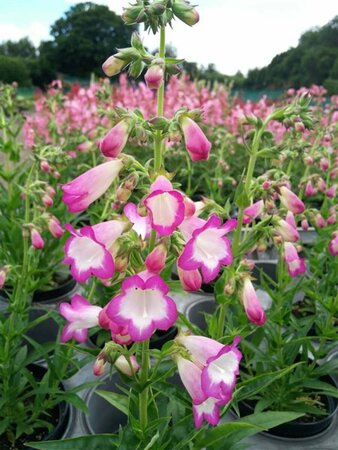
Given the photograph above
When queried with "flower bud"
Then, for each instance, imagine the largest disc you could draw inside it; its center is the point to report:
(3, 276)
(310, 190)
(321, 185)
(114, 141)
(305, 224)
(155, 261)
(133, 14)
(333, 246)
(332, 219)
(47, 200)
(286, 231)
(185, 12)
(129, 368)
(331, 192)
(36, 238)
(99, 365)
(291, 201)
(44, 166)
(266, 185)
(320, 221)
(112, 66)
(196, 142)
(299, 126)
(324, 164)
(308, 160)
(56, 174)
(121, 263)
(84, 147)
(54, 227)
(50, 191)
(252, 306)
(191, 280)
(154, 76)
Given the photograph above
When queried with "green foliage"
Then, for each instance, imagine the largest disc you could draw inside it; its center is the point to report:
(23, 48)
(14, 69)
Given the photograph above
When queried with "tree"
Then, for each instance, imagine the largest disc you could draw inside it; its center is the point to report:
(85, 37)
(23, 48)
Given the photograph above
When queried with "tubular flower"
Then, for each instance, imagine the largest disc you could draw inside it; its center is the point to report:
(81, 316)
(54, 227)
(191, 280)
(286, 231)
(253, 211)
(87, 255)
(291, 201)
(252, 306)
(219, 364)
(114, 141)
(204, 407)
(37, 242)
(88, 187)
(155, 261)
(112, 66)
(196, 142)
(295, 264)
(165, 206)
(154, 76)
(141, 224)
(143, 306)
(208, 248)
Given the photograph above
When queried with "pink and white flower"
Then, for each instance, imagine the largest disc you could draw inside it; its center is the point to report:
(37, 242)
(251, 303)
(295, 264)
(204, 407)
(154, 76)
(155, 261)
(81, 315)
(88, 187)
(290, 219)
(141, 224)
(253, 211)
(333, 246)
(87, 256)
(291, 201)
(143, 306)
(286, 231)
(165, 206)
(54, 227)
(191, 280)
(196, 142)
(114, 141)
(208, 249)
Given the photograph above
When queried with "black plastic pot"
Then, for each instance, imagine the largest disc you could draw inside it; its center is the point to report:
(103, 417)
(60, 413)
(196, 311)
(298, 429)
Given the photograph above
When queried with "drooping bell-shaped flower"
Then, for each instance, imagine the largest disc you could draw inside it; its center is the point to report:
(112, 66)
(253, 211)
(219, 363)
(141, 224)
(143, 306)
(251, 303)
(81, 315)
(333, 246)
(165, 206)
(291, 201)
(204, 407)
(37, 242)
(87, 256)
(208, 249)
(191, 280)
(54, 227)
(115, 140)
(286, 231)
(154, 76)
(196, 143)
(295, 264)
(88, 187)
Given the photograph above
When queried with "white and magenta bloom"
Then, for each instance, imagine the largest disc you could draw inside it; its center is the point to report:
(196, 142)
(81, 315)
(204, 407)
(87, 256)
(143, 306)
(208, 249)
(88, 187)
(291, 201)
(253, 211)
(154, 76)
(114, 141)
(286, 231)
(155, 261)
(251, 303)
(219, 364)
(37, 242)
(333, 246)
(141, 224)
(191, 280)
(165, 206)
(296, 265)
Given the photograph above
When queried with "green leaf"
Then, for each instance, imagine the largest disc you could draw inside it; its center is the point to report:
(75, 400)
(120, 402)
(96, 442)
(174, 61)
(218, 434)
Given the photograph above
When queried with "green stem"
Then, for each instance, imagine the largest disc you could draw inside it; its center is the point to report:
(221, 320)
(143, 396)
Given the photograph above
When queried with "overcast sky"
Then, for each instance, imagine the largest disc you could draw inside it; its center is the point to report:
(232, 34)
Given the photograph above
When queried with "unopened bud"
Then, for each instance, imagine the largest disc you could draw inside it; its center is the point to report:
(185, 12)
(47, 200)
(44, 166)
(112, 66)
(155, 261)
(128, 368)
(154, 76)
(36, 238)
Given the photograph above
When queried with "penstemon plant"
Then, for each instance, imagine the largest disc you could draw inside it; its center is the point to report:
(141, 225)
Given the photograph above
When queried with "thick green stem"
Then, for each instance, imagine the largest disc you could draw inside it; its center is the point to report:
(221, 320)
(143, 397)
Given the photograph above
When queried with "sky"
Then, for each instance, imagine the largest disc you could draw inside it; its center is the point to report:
(232, 34)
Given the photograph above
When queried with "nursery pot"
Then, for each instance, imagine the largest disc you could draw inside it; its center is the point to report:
(59, 415)
(102, 416)
(300, 428)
